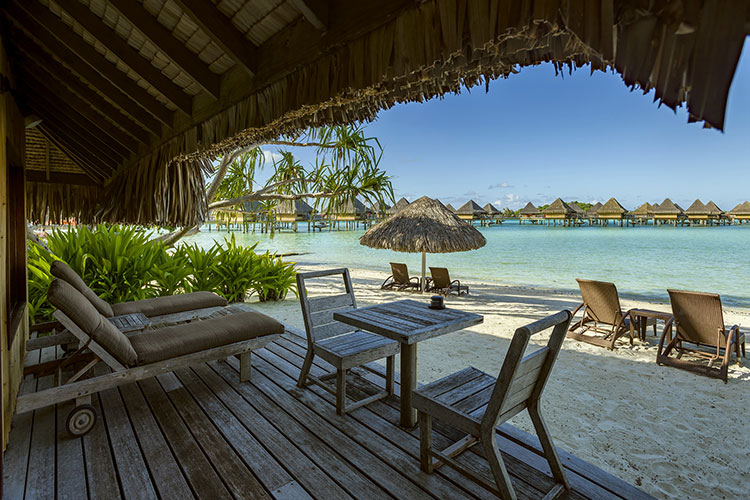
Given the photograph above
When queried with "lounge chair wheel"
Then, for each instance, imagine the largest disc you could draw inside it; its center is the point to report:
(81, 420)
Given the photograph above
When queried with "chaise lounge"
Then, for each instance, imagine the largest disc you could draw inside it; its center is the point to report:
(442, 283)
(400, 279)
(139, 356)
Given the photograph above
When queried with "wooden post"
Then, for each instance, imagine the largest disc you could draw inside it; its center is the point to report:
(424, 271)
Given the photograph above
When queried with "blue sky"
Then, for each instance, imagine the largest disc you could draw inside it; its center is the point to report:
(535, 136)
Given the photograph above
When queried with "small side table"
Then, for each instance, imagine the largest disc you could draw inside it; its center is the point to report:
(645, 314)
(130, 322)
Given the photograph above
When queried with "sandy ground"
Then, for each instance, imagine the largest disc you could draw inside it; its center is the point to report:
(673, 433)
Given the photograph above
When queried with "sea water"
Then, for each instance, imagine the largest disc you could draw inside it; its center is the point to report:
(642, 261)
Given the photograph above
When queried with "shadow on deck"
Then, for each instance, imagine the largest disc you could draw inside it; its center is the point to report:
(200, 433)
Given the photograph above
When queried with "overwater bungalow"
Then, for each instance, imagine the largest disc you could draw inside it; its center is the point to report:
(142, 97)
(494, 216)
(592, 214)
(530, 213)
(450, 207)
(643, 214)
(613, 211)
(716, 214)
(697, 213)
(471, 211)
(580, 213)
(290, 212)
(401, 203)
(668, 212)
(559, 212)
(741, 213)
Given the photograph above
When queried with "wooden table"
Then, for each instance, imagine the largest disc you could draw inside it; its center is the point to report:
(409, 322)
(647, 313)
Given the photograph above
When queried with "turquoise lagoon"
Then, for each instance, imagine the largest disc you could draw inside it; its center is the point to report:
(643, 261)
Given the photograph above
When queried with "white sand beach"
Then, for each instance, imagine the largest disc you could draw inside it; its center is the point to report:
(673, 433)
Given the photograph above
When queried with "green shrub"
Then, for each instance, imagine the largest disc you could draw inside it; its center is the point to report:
(275, 278)
(39, 261)
(201, 263)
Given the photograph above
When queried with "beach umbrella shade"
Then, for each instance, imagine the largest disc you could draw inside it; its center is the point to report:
(424, 226)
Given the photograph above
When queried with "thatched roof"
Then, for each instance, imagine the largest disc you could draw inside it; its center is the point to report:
(490, 209)
(612, 207)
(666, 207)
(142, 96)
(713, 209)
(577, 209)
(741, 209)
(558, 207)
(645, 210)
(529, 209)
(450, 207)
(471, 208)
(294, 207)
(424, 226)
(593, 211)
(697, 208)
(402, 203)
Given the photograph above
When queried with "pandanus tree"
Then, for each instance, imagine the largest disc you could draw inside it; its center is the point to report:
(346, 167)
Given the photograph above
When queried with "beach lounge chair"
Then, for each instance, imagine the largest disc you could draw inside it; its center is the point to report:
(603, 315)
(400, 279)
(157, 306)
(441, 282)
(698, 321)
(340, 344)
(476, 404)
(143, 355)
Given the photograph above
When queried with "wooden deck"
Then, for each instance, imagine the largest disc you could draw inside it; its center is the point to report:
(200, 433)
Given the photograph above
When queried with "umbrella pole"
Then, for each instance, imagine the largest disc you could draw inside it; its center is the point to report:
(424, 269)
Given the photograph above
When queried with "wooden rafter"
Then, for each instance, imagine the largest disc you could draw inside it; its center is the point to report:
(49, 29)
(76, 151)
(28, 49)
(315, 11)
(60, 178)
(127, 54)
(162, 38)
(221, 30)
(74, 106)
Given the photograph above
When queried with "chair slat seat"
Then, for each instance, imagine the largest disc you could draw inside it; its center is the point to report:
(338, 350)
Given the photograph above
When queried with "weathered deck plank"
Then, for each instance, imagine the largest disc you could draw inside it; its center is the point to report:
(201, 433)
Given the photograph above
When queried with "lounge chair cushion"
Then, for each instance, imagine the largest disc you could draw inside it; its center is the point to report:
(173, 341)
(170, 304)
(60, 269)
(70, 301)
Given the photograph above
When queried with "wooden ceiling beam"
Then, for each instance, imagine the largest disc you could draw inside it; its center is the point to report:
(221, 30)
(60, 178)
(130, 56)
(123, 123)
(84, 163)
(101, 167)
(163, 39)
(37, 20)
(315, 11)
(75, 107)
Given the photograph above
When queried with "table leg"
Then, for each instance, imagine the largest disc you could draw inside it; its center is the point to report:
(408, 384)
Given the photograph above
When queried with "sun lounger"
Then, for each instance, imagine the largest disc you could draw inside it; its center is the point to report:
(441, 282)
(698, 321)
(158, 306)
(400, 279)
(603, 315)
(477, 403)
(143, 355)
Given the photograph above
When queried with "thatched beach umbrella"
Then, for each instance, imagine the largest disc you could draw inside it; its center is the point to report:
(424, 226)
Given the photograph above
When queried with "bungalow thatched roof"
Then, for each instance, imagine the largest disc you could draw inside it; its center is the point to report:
(741, 209)
(450, 207)
(580, 212)
(593, 212)
(529, 210)
(612, 207)
(491, 210)
(401, 203)
(424, 226)
(559, 207)
(713, 209)
(697, 208)
(471, 208)
(667, 207)
(645, 210)
(172, 85)
(294, 207)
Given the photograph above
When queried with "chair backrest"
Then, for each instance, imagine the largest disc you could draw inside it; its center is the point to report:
(440, 277)
(522, 379)
(698, 317)
(60, 269)
(400, 273)
(317, 312)
(601, 300)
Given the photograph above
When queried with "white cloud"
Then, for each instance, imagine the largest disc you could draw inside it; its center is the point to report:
(271, 156)
(499, 185)
(510, 200)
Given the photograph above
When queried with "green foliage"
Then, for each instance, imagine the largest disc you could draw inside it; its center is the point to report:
(122, 263)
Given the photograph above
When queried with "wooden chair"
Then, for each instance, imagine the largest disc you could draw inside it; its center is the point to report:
(698, 320)
(477, 403)
(400, 278)
(442, 283)
(602, 314)
(340, 344)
